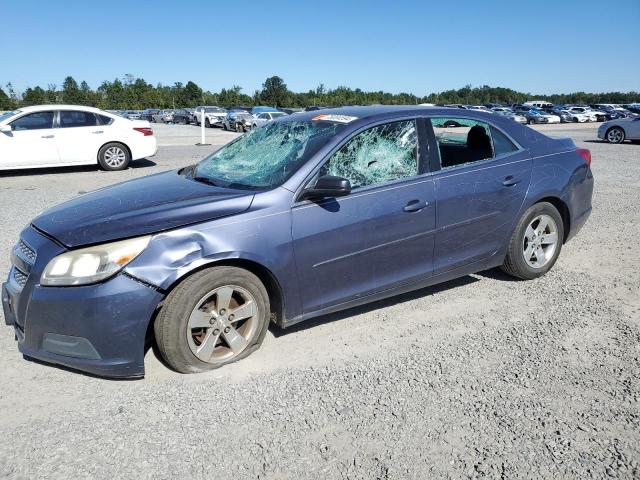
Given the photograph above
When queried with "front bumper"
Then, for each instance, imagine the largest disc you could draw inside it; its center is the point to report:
(100, 329)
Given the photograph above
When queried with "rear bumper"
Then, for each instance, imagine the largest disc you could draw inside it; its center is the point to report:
(144, 148)
(99, 329)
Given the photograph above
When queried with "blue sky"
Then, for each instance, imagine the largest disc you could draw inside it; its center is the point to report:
(419, 47)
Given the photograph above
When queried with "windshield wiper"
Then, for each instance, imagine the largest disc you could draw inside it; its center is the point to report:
(207, 180)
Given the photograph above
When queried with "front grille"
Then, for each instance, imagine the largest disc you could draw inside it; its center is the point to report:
(25, 252)
(19, 277)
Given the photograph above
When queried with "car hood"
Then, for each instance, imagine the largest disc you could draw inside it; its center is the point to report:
(138, 207)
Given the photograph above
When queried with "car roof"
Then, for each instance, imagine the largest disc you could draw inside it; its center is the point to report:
(39, 108)
(373, 112)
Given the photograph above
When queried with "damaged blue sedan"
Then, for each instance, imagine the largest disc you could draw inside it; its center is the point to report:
(307, 215)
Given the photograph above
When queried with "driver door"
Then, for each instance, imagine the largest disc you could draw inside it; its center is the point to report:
(30, 143)
(379, 236)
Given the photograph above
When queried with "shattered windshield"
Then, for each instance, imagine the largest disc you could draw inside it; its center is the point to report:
(265, 157)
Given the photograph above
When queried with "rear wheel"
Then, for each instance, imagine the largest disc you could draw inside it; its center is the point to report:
(114, 156)
(213, 318)
(536, 242)
(615, 135)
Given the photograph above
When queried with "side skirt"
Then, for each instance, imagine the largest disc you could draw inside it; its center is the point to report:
(485, 264)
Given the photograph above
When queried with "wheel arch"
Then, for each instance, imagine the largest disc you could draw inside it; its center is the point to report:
(264, 274)
(563, 209)
(113, 141)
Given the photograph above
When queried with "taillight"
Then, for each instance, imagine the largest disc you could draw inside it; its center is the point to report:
(585, 154)
(146, 131)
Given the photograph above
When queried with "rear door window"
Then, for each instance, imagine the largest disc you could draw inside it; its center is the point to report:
(463, 141)
(77, 118)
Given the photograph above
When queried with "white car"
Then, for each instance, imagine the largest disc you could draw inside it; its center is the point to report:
(591, 114)
(265, 117)
(62, 135)
(213, 116)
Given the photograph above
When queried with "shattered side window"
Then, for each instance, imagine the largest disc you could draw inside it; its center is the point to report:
(265, 157)
(461, 141)
(378, 155)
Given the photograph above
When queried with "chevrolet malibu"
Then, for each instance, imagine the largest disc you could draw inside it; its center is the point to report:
(307, 215)
(64, 135)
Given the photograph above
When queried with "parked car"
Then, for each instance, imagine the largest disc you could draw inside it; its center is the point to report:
(182, 116)
(255, 111)
(521, 119)
(238, 121)
(314, 213)
(61, 135)
(567, 116)
(613, 111)
(539, 104)
(539, 116)
(132, 114)
(291, 111)
(265, 117)
(148, 114)
(213, 116)
(619, 130)
(633, 108)
(163, 116)
(592, 115)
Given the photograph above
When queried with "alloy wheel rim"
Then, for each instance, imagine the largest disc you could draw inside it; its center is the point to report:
(222, 324)
(114, 157)
(540, 241)
(614, 135)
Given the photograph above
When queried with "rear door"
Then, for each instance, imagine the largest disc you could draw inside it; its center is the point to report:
(379, 236)
(481, 180)
(79, 136)
(31, 142)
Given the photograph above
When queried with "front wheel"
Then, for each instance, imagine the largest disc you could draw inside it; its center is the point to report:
(536, 242)
(615, 135)
(214, 317)
(207, 123)
(114, 156)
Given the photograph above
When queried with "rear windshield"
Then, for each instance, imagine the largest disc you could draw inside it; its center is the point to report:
(265, 157)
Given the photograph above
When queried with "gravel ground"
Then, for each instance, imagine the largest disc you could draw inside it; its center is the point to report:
(481, 377)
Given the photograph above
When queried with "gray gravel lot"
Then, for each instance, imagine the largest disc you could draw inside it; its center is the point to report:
(482, 377)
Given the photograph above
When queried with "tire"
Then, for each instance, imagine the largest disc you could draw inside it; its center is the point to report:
(173, 329)
(114, 156)
(224, 126)
(239, 128)
(615, 135)
(530, 121)
(207, 123)
(520, 246)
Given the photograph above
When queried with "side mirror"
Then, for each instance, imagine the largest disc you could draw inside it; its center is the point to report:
(5, 129)
(327, 186)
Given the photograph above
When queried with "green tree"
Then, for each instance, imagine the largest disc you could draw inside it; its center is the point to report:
(191, 95)
(71, 92)
(34, 96)
(274, 92)
(5, 101)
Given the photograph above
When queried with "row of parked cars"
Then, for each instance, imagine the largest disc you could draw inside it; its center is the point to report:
(239, 119)
(536, 112)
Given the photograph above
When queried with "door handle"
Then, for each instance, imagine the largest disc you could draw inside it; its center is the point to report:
(98, 131)
(47, 136)
(415, 206)
(509, 181)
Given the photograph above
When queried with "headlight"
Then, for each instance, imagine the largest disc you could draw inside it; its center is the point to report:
(92, 264)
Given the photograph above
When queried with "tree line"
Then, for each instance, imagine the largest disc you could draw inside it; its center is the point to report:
(131, 93)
